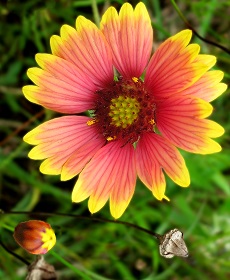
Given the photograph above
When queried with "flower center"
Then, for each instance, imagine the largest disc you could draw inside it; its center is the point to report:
(124, 110)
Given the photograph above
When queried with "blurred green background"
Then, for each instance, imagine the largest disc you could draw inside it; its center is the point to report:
(103, 250)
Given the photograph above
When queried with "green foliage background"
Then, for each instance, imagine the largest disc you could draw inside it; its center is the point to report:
(94, 250)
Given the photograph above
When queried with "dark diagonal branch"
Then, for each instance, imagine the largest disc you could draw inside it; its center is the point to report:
(195, 32)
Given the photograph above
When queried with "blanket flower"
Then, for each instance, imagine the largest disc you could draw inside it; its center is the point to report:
(127, 110)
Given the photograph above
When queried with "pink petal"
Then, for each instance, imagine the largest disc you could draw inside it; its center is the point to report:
(208, 87)
(179, 119)
(154, 153)
(59, 139)
(110, 172)
(149, 171)
(130, 37)
(61, 86)
(80, 158)
(87, 49)
(125, 182)
(176, 66)
(184, 106)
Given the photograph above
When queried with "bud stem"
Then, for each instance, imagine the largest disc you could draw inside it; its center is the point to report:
(156, 235)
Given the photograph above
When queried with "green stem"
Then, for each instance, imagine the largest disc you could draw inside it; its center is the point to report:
(69, 265)
(179, 12)
(10, 228)
(95, 12)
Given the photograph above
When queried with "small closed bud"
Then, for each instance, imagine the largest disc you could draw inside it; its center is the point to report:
(36, 237)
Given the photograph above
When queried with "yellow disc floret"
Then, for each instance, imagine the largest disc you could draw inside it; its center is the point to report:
(124, 111)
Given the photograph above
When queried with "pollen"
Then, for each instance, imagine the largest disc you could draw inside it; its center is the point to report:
(110, 138)
(152, 121)
(91, 122)
(135, 79)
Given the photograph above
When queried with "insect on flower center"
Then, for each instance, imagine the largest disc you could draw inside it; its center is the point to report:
(124, 110)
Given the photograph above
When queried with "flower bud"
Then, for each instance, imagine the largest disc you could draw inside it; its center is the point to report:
(36, 237)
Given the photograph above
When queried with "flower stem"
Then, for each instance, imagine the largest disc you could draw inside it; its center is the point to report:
(156, 235)
(95, 12)
(69, 265)
(195, 32)
(14, 254)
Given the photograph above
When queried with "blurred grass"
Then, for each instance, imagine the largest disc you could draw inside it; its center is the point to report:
(102, 250)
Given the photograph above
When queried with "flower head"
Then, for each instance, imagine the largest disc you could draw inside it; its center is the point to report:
(136, 119)
(36, 237)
